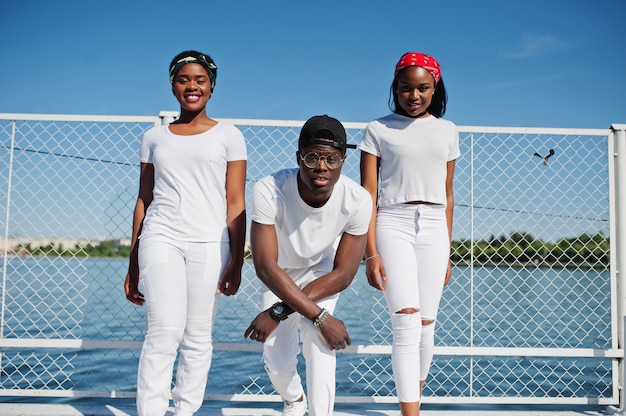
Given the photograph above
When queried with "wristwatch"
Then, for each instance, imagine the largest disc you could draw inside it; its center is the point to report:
(279, 311)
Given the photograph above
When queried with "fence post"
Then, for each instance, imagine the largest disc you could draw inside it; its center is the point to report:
(619, 155)
(168, 117)
(5, 237)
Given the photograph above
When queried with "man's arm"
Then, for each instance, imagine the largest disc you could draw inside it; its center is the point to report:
(264, 247)
(265, 256)
(347, 261)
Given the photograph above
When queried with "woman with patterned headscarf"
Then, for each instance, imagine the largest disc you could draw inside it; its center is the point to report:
(188, 239)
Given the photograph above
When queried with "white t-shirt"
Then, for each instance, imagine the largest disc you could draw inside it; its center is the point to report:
(413, 156)
(189, 195)
(306, 235)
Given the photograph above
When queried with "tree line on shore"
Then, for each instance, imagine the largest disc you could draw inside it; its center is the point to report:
(588, 250)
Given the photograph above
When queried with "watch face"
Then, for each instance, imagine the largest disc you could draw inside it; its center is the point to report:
(279, 311)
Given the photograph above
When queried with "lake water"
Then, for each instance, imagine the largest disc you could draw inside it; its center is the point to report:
(486, 307)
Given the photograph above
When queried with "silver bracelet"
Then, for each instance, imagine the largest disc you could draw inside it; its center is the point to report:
(371, 257)
(320, 317)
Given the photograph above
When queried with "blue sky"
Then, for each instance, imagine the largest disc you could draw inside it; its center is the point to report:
(547, 63)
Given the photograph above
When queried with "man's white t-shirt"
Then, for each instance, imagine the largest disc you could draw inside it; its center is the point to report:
(413, 156)
(189, 195)
(306, 235)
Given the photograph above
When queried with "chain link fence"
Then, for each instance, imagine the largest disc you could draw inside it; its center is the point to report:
(530, 315)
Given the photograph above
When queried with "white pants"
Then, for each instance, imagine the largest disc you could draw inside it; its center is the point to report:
(413, 243)
(282, 347)
(179, 282)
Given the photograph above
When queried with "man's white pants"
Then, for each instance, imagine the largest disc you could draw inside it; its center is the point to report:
(179, 281)
(282, 347)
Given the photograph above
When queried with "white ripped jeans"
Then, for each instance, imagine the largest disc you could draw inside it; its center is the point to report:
(414, 246)
(281, 349)
(179, 281)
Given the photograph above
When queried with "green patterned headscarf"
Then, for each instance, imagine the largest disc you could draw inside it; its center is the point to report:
(202, 60)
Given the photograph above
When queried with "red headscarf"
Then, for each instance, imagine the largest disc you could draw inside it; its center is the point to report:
(419, 59)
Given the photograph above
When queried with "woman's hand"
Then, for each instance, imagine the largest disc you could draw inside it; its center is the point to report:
(131, 289)
(375, 272)
(231, 280)
(448, 273)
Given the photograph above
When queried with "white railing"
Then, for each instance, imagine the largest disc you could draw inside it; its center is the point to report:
(534, 313)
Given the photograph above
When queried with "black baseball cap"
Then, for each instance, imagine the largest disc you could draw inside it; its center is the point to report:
(323, 130)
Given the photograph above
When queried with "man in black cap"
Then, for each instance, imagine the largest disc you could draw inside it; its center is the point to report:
(309, 226)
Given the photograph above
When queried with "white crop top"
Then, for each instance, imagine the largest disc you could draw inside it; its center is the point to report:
(413, 156)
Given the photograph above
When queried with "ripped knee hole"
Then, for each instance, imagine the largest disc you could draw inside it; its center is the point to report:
(408, 311)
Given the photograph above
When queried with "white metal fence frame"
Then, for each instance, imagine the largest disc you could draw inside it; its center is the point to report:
(49, 138)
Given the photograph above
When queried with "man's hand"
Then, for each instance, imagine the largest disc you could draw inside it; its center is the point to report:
(261, 327)
(335, 333)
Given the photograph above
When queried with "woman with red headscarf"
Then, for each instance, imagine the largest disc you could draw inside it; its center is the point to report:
(407, 165)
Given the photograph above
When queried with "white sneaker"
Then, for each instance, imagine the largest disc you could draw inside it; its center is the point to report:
(297, 408)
